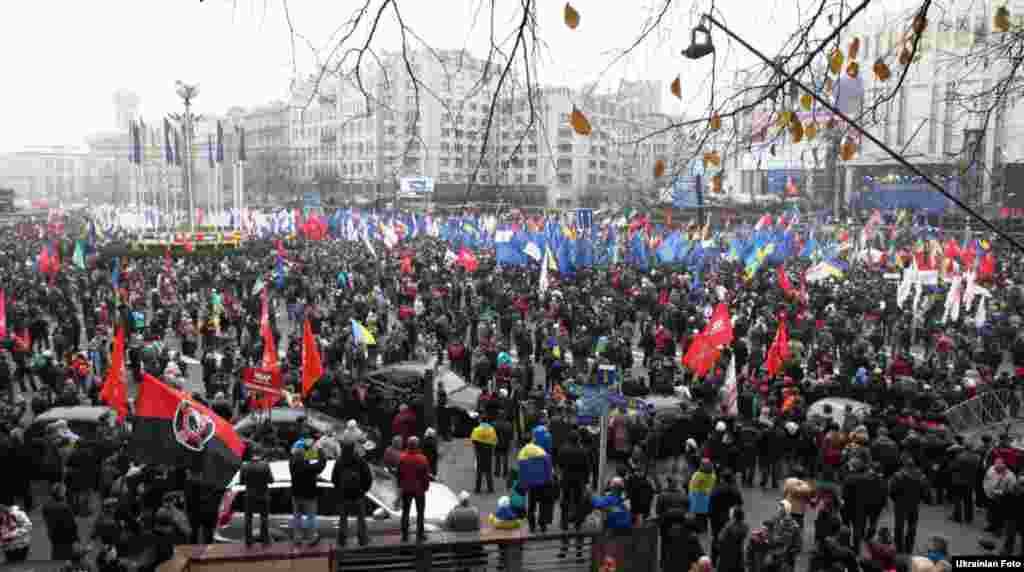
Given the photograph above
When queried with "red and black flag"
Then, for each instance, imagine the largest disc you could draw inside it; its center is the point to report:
(171, 428)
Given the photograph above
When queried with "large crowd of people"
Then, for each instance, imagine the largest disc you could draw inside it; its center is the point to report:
(886, 374)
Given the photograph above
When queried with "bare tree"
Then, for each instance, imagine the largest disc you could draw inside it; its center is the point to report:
(718, 126)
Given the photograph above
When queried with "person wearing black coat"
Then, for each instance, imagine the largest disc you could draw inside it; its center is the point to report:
(256, 477)
(305, 494)
(352, 479)
(724, 497)
(907, 489)
(640, 492)
(857, 489)
(728, 551)
(201, 502)
(963, 471)
(60, 523)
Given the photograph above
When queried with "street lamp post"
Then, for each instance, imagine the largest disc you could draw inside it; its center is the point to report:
(187, 93)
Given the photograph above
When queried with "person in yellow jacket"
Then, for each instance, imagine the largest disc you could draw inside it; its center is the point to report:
(702, 483)
(484, 439)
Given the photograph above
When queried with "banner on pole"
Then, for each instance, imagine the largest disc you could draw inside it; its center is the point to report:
(263, 380)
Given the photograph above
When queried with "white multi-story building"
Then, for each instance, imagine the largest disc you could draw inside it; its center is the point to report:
(392, 135)
(929, 120)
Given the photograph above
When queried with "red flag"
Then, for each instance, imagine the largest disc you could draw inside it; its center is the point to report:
(784, 282)
(406, 265)
(468, 260)
(987, 266)
(779, 350)
(719, 328)
(44, 260)
(3, 314)
(701, 355)
(967, 256)
(114, 392)
(172, 428)
(952, 249)
(269, 351)
(168, 269)
(312, 369)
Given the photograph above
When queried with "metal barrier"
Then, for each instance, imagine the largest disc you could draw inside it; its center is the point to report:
(539, 553)
(987, 409)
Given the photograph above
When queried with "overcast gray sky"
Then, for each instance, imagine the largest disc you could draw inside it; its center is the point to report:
(63, 59)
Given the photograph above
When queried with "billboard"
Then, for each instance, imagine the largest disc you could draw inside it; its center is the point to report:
(687, 192)
(413, 186)
(311, 199)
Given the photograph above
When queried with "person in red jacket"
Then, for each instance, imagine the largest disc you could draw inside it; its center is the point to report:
(404, 424)
(413, 482)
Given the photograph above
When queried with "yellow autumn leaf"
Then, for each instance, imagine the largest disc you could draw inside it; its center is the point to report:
(677, 88)
(579, 122)
(659, 168)
(797, 132)
(810, 130)
(848, 151)
(1001, 21)
(716, 122)
(784, 119)
(806, 101)
(712, 159)
(905, 57)
(854, 48)
(920, 24)
(835, 63)
(882, 72)
(853, 69)
(572, 17)
(716, 184)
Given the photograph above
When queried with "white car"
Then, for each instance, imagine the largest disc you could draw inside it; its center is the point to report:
(383, 507)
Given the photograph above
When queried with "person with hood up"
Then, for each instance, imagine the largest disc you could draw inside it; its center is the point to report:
(613, 504)
(702, 483)
(485, 439)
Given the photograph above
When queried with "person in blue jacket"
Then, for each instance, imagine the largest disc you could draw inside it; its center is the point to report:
(617, 516)
(541, 435)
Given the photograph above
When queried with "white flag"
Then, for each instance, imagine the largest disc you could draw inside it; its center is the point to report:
(543, 285)
(369, 245)
(503, 236)
(450, 258)
(533, 251)
(917, 299)
(952, 308)
(980, 318)
(730, 402)
(905, 287)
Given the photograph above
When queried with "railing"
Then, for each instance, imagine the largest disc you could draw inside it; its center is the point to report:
(488, 550)
(987, 409)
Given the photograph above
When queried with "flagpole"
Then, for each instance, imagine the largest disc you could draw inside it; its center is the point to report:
(241, 191)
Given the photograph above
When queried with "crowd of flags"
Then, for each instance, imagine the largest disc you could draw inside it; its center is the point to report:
(144, 143)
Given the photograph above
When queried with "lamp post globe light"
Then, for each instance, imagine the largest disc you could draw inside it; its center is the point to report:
(187, 93)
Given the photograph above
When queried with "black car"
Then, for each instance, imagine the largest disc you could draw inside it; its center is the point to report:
(286, 422)
(462, 397)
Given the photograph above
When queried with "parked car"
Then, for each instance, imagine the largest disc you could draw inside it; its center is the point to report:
(383, 507)
(286, 422)
(462, 396)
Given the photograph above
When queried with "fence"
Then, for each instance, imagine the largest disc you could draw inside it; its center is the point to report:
(488, 550)
(1002, 406)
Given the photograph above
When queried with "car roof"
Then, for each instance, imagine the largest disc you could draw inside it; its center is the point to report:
(291, 415)
(76, 413)
(411, 367)
(282, 472)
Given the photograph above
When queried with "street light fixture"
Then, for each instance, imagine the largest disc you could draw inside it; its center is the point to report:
(700, 41)
(187, 93)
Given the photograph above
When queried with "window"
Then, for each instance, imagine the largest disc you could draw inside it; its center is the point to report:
(444, 162)
(446, 132)
(458, 163)
(531, 148)
(531, 163)
(565, 148)
(604, 164)
(592, 164)
(592, 179)
(458, 147)
(565, 179)
(531, 178)
(565, 163)
(564, 132)
(445, 147)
